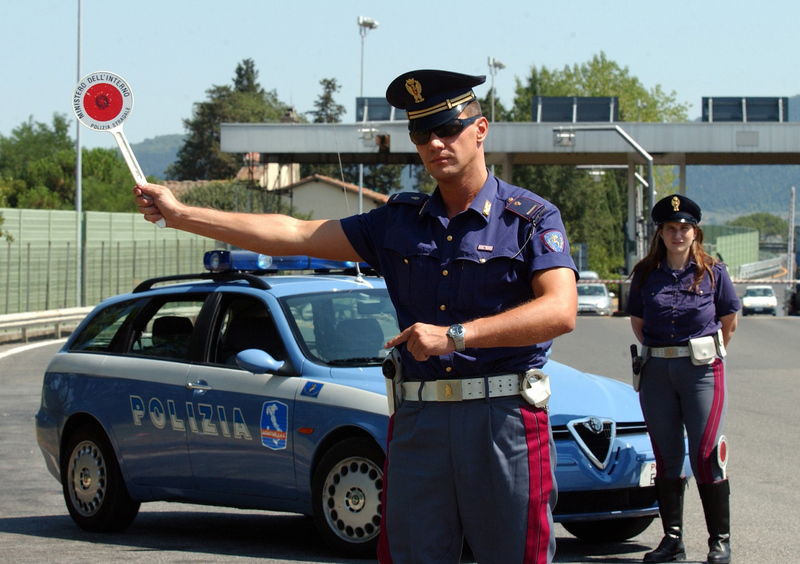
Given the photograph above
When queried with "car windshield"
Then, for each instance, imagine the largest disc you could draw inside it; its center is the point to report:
(591, 290)
(759, 292)
(343, 328)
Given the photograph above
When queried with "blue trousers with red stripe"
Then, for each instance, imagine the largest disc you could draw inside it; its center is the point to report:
(481, 470)
(675, 394)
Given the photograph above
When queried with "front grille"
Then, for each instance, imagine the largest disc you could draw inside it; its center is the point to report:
(600, 501)
(560, 432)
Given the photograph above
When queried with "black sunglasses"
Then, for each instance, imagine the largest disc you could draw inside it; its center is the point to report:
(449, 129)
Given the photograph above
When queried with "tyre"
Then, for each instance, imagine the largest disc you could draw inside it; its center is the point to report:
(346, 489)
(94, 490)
(608, 530)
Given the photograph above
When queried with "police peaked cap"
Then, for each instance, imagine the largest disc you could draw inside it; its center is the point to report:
(676, 208)
(432, 97)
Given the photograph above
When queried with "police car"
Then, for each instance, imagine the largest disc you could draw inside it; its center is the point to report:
(251, 386)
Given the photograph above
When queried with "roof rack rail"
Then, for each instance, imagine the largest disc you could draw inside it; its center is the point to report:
(251, 279)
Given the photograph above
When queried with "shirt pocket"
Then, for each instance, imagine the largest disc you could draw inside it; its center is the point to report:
(490, 283)
(410, 270)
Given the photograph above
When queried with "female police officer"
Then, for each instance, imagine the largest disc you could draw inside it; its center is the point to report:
(683, 310)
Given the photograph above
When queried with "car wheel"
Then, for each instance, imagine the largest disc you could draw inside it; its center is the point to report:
(94, 490)
(608, 530)
(346, 489)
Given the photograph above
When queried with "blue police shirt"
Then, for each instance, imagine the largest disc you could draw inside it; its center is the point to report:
(672, 312)
(479, 263)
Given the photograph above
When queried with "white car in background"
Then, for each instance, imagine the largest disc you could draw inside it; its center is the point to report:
(594, 299)
(759, 299)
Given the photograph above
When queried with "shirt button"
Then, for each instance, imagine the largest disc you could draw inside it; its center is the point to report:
(448, 369)
(445, 273)
(449, 237)
(405, 260)
(442, 307)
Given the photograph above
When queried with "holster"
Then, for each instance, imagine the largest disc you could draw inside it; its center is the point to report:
(637, 363)
(392, 369)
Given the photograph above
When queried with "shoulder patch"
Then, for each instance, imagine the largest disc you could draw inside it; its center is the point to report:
(526, 208)
(410, 198)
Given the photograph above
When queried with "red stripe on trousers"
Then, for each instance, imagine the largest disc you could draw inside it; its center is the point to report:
(707, 443)
(384, 554)
(540, 485)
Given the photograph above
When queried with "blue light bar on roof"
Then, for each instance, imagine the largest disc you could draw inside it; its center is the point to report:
(230, 261)
(302, 262)
(248, 261)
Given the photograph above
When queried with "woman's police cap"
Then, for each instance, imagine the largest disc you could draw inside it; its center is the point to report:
(432, 97)
(676, 208)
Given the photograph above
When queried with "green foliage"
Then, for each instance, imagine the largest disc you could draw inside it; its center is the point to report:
(200, 157)
(768, 225)
(37, 170)
(594, 212)
(326, 110)
(3, 233)
(599, 77)
(235, 196)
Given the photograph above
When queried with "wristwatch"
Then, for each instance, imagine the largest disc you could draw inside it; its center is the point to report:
(458, 334)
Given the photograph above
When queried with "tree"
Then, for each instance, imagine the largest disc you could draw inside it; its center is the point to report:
(200, 157)
(37, 170)
(768, 225)
(593, 208)
(381, 178)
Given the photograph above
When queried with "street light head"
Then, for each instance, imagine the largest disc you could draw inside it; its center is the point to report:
(366, 23)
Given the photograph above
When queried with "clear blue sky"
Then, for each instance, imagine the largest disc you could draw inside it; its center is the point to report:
(171, 51)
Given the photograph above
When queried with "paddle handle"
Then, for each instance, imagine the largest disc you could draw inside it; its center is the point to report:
(133, 164)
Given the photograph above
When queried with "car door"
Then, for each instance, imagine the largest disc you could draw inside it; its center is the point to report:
(149, 396)
(240, 431)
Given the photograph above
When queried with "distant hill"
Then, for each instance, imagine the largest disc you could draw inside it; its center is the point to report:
(156, 154)
(727, 192)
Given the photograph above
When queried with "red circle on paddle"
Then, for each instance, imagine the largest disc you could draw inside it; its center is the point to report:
(103, 102)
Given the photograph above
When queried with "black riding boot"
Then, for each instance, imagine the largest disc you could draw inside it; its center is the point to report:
(670, 506)
(716, 506)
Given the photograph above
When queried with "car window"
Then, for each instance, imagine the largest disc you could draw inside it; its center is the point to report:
(759, 292)
(166, 331)
(99, 333)
(245, 323)
(342, 328)
(591, 290)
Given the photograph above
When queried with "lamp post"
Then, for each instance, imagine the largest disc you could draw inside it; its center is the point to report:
(364, 25)
(79, 243)
(494, 66)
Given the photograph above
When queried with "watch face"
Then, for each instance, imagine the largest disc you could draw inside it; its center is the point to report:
(456, 330)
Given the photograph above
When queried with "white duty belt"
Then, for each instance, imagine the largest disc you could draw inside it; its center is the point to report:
(669, 352)
(463, 389)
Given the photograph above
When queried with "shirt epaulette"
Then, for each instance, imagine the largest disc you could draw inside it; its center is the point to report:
(410, 198)
(526, 208)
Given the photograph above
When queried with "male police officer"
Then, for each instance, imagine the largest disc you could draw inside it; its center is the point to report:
(482, 280)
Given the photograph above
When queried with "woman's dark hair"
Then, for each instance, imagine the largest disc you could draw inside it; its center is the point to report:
(658, 252)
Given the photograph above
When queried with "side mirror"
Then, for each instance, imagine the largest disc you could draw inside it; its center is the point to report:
(258, 361)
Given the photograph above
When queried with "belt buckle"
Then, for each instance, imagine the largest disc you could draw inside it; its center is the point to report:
(448, 390)
(670, 352)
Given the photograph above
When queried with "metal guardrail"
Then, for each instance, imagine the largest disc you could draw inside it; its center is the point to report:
(21, 326)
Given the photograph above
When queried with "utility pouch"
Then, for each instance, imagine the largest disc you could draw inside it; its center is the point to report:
(703, 350)
(535, 388)
(392, 369)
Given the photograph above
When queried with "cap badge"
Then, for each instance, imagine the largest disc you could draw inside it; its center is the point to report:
(676, 203)
(415, 89)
